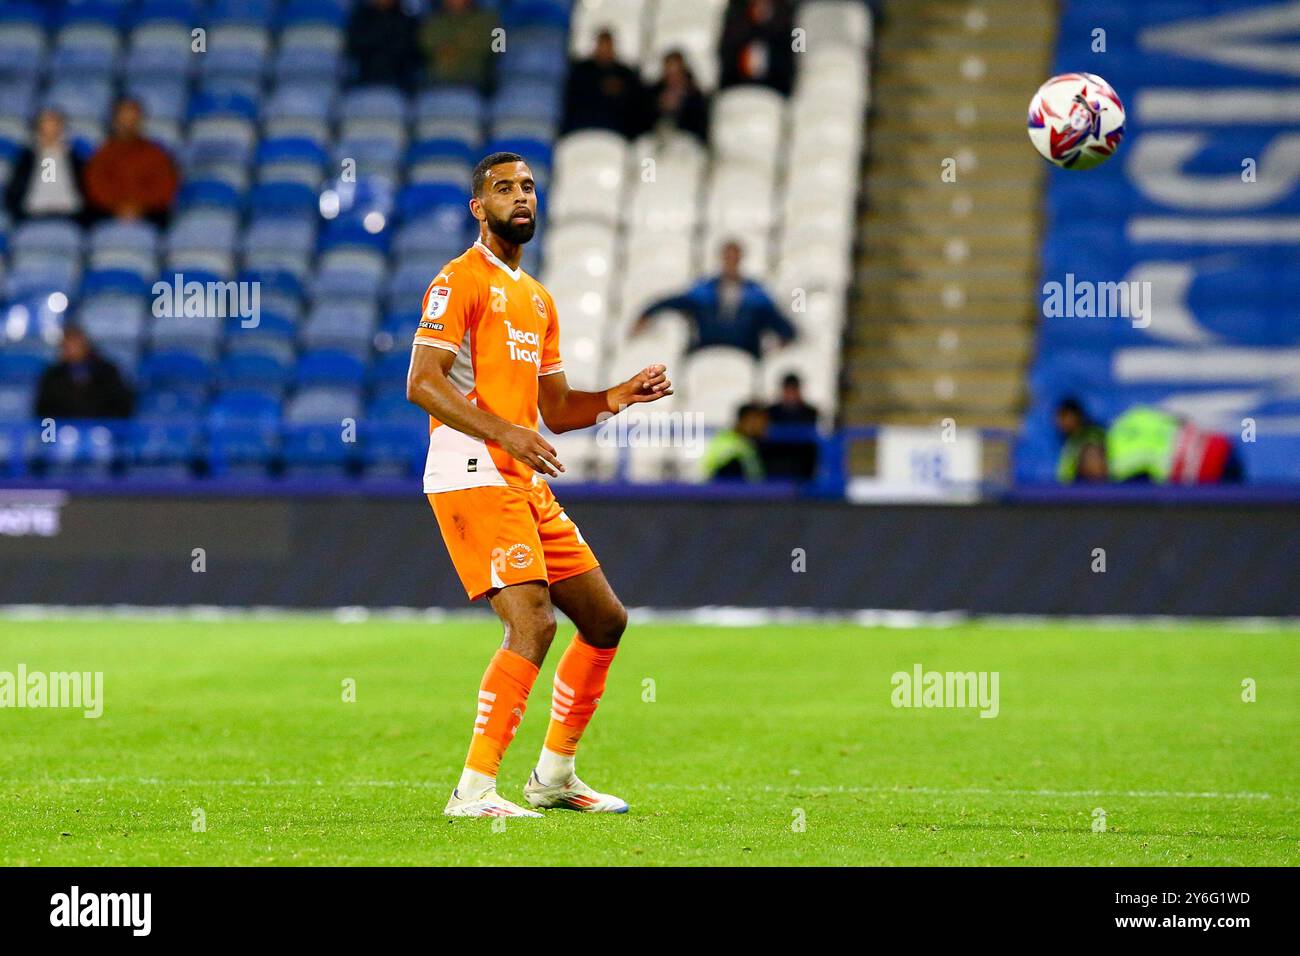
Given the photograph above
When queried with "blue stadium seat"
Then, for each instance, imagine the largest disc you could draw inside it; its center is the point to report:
(241, 448)
(17, 400)
(113, 317)
(87, 99)
(254, 370)
(300, 12)
(47, 235)
(388, 374)
(18, 367)
(22, 41)
(184, 400)
(85, 48)
(323, 403)
(290, 201)
(373, 103)
(162, 449)
(394, 449)
(273, 336)
(330, 367)
(81, 449)
(175, 369)
(160, 54)
(317, 448)
(346, 326)
(408, 282)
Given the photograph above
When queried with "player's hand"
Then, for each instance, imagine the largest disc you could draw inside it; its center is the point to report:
(524, 444)
(648, 385)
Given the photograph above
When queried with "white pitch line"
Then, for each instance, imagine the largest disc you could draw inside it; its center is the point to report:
(720, 787)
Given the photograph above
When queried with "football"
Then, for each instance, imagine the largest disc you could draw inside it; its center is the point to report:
(1076, 120)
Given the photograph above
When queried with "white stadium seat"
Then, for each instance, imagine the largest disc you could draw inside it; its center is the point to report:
(692, 26)
(716, 381)
(835, 23)
(579, 249)
(747, 123)
(625, 18)
(590, 176)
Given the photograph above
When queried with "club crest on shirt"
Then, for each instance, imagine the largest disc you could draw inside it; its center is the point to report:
(539, 304)
(519, 556)
(437, 303)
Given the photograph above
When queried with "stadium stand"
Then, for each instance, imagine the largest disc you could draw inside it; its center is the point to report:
(1215, 247)
(340, 203)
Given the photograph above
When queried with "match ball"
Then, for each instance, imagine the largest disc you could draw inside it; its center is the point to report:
(1076, 120)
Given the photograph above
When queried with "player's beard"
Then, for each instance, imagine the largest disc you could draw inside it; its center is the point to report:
(510, 232)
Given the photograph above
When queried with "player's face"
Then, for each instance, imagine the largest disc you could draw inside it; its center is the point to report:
(509, 201)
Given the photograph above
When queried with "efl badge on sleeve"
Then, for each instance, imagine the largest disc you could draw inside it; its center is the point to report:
(437, 304)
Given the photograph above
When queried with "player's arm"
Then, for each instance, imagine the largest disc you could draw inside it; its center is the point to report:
(427, 386)
(564, 409)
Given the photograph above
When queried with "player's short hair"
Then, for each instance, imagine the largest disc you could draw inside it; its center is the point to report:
(791, 380)
(486, 163)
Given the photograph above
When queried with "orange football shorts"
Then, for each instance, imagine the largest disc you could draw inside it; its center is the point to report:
(498, 536)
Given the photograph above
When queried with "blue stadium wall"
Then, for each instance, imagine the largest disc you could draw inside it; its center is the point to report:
(1037, 558)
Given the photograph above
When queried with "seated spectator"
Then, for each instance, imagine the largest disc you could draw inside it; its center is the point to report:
(756, 45)
(732, 454)
(82, 384)
(457, 44)
(382, 45)
(675, 102)
(727, 309)
(1076, 429)
(131, 177)
(1091, 468)
(602, 93)
(792, 457)
(47, 177)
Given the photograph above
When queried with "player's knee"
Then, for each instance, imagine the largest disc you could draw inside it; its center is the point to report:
(608, 628)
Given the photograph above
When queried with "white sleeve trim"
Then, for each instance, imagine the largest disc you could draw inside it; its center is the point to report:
(436, 343)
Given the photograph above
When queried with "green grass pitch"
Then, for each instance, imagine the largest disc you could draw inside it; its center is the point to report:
(772, 745)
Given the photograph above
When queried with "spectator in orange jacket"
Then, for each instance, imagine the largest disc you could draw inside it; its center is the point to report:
(131, 177)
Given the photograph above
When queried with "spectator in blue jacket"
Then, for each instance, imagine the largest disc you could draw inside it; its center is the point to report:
(727, 309)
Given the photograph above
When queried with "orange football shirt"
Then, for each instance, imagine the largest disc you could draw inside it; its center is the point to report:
(501, 325)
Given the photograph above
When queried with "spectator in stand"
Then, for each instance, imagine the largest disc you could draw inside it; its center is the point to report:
(792, 457)
(382, 45)
(47, 177)
(727, 309)
(131, 177)
(1092, 464)
(675, 102)
(732, 454)
(457, 44)
(756, 45)
(1076, 430)
(82, 384)
(602, 93)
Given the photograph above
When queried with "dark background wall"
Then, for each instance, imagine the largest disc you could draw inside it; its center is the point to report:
(350, 550)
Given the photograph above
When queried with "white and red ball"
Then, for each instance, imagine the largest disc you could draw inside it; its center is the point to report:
(1076, 120)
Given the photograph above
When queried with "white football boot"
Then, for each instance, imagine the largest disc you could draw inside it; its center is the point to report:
(571, 795)
(489, 803)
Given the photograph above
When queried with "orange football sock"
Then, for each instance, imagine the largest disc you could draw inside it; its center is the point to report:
(502, 697)
(579, 682)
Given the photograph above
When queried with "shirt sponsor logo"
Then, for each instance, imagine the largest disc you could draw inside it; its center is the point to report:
(524, 346)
